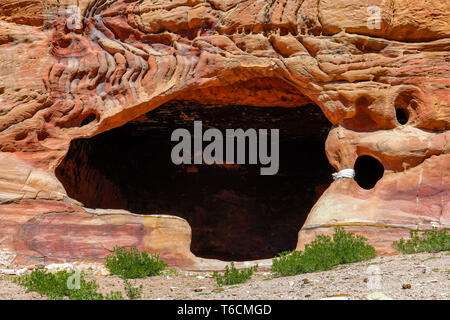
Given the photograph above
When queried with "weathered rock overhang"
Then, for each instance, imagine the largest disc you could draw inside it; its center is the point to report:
(235, 213)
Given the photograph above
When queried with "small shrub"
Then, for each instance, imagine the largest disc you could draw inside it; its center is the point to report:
(55, 287)
(323, 254)
(133, 293)
(114, 295)
(431, 241)
(233, 275)
(133, 264)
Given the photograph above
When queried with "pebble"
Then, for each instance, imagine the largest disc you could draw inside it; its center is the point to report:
(9, 272)
(22, 271)
(378, 296)
(431, 281)
(103, 272)
(55, 267)
(406, 286)
(424, 268)
(336, 298)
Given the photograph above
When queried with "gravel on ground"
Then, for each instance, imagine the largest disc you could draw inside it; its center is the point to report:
(424, 276)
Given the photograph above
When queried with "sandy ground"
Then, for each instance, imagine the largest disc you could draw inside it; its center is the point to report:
(419, 276)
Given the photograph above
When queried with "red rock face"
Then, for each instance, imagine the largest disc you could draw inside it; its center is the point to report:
(74, 69)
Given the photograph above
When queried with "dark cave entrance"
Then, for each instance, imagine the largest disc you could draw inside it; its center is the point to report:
(368, 171)
(234, 212)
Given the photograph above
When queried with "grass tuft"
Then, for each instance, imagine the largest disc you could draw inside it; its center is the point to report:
(323, 254)
(133, 264)
(133, 293)
(233, 276)
(56, 286)
(430, 241)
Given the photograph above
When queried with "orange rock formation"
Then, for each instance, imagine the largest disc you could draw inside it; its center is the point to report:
(76, 68)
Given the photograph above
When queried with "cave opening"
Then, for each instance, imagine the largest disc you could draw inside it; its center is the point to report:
(402, 116)
(235, 213)
(368, 171)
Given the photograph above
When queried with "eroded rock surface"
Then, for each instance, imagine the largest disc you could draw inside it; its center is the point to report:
(74, 69)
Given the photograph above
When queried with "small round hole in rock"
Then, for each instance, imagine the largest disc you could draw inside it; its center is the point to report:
(368, 171)
(42, 135)
(21, 136)
(402, 116)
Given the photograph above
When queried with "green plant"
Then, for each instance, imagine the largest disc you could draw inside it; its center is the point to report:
(430, 241)
(56, 286)
(233, 275)
(171, 272)
(133, 264)
(323, 254)
(114, 295)
(133, 293)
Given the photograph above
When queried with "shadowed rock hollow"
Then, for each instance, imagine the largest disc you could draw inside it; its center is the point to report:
(234, 212)
(78, 72)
